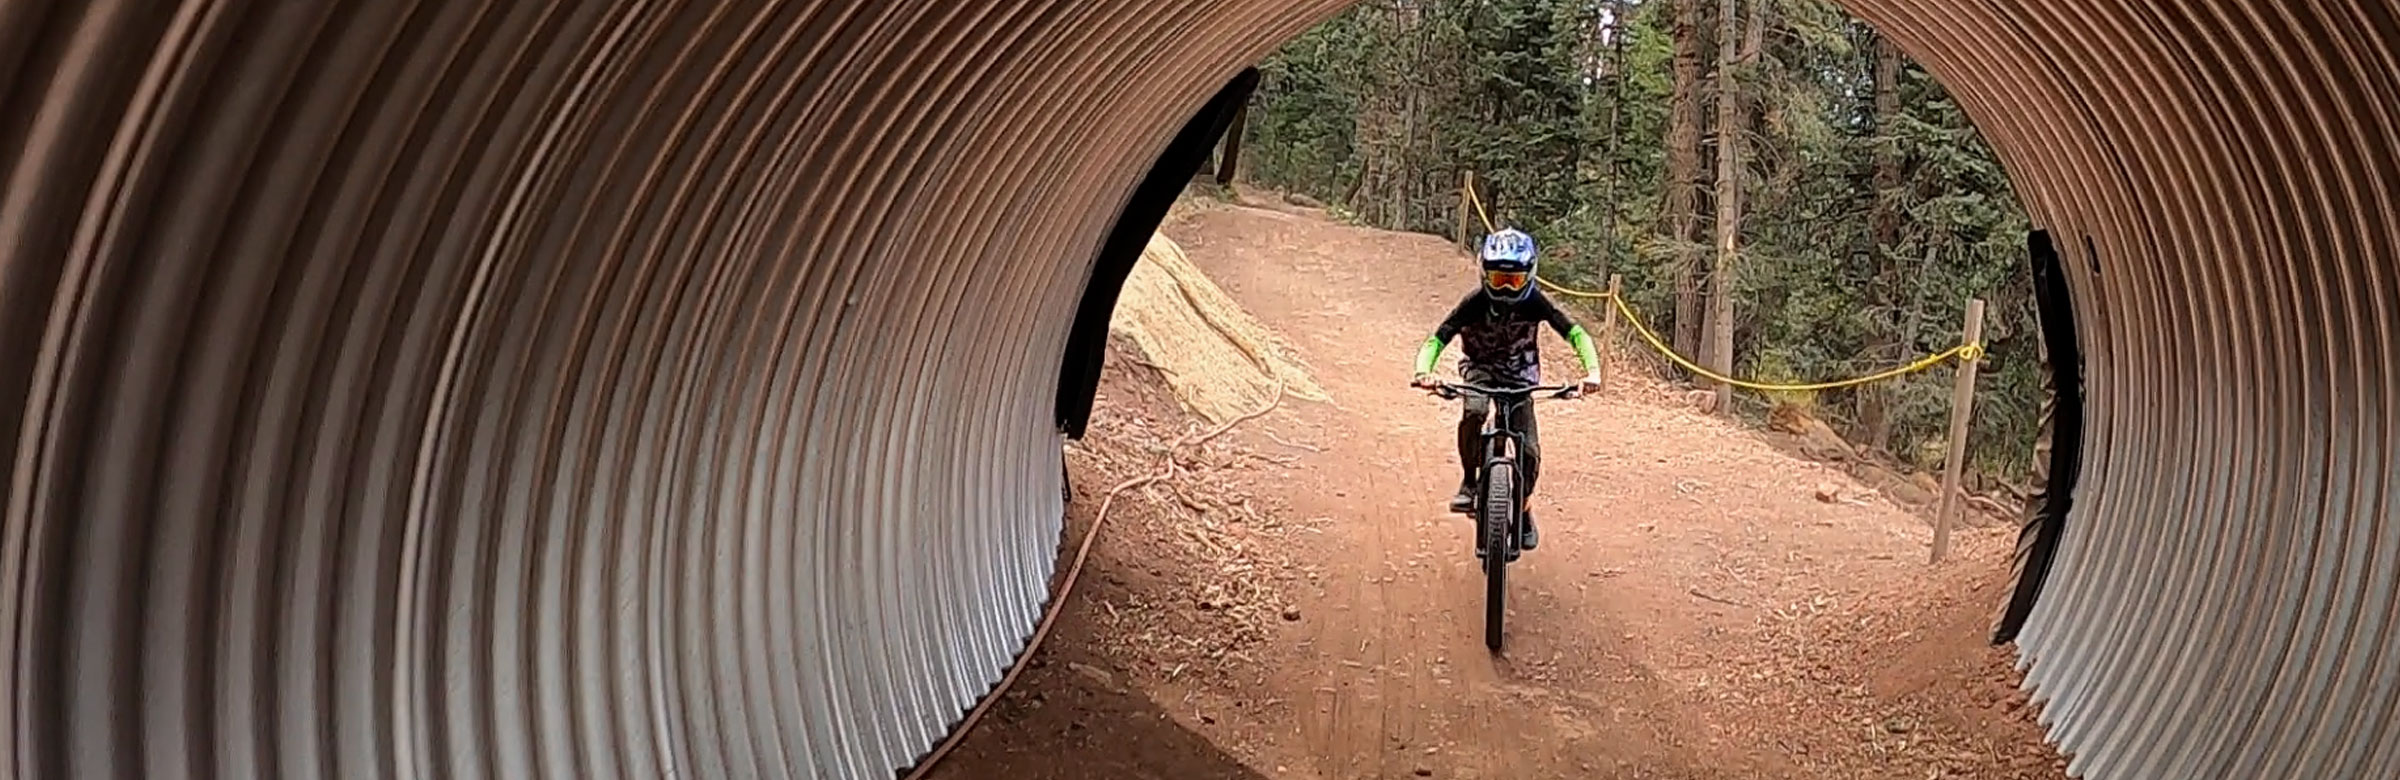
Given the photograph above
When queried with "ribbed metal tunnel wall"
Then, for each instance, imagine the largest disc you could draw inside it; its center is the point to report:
(655, 388)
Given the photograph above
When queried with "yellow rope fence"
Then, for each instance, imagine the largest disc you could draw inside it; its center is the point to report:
(1970, 351)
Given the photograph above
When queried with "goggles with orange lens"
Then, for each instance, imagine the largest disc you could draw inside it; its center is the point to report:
(1506, 280)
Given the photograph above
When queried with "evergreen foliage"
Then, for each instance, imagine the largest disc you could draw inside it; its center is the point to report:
(1382, 109)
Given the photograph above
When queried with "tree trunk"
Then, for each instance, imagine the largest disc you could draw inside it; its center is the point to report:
(1875, 400)
(1754, 37)
(1916, 307)
(1408, 90)
(1730, 129)
(1232, 155)
(1377, 134)
(1616, 114)
(1365, 128)
(1682, 208)
(1403, 212)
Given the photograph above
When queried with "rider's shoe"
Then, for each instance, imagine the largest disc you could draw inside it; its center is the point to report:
(1464, 502)
(1528, 537)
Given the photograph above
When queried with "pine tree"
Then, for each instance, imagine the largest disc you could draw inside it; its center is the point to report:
(1882, 340)
(1684, 183)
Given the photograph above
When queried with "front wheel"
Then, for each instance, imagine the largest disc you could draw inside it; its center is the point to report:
(1499, 514)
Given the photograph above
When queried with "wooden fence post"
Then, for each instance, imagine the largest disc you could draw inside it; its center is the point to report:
(1962, 408)
(1466, 185)
(1608, 325)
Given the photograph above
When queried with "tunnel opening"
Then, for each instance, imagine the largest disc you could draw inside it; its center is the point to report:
(2026, 583)
(638, 389)
(1079, 372)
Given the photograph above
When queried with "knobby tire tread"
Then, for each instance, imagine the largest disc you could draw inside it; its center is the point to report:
(1499, 509)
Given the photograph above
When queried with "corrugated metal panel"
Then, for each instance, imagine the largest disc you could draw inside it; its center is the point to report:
(448, 388)
(2225, 591)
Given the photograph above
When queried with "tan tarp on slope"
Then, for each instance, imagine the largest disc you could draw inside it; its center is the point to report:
(1220, 361)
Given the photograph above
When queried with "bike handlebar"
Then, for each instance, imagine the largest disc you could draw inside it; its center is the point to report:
(1455, 389)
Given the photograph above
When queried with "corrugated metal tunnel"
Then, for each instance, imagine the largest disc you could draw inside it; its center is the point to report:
(650, 388)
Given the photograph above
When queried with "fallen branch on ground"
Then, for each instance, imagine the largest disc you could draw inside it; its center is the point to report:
(1724, 601)
(1294, 445)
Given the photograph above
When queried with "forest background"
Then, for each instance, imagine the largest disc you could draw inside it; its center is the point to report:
(1864, 210)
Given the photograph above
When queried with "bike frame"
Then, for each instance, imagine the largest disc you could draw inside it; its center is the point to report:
(1498, 430)
(1499, 540)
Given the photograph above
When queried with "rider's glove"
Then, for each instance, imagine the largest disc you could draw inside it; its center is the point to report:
(1591, 384)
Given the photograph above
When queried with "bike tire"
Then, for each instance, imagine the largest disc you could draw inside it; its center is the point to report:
(1499, 512)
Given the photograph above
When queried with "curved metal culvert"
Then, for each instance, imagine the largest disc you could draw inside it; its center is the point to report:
(628, 389)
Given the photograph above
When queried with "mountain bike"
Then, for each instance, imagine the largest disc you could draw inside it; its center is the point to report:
(1500, 490)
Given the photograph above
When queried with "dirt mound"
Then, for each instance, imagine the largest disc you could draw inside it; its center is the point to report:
(1906, 686)
(1185, 583)
(1220, 361)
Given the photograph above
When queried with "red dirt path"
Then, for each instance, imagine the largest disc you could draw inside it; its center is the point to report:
(1303, 606)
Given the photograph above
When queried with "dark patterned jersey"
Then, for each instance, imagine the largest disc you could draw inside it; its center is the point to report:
(1497, 338)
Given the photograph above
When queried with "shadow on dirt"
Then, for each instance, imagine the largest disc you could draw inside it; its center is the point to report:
(1071, 718)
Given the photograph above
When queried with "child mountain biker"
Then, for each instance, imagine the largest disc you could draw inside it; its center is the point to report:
(1499, 323)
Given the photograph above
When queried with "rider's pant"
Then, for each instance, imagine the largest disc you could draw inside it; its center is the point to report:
(1470, 439)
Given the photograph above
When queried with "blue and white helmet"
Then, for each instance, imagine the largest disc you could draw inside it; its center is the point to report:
(1508, 264)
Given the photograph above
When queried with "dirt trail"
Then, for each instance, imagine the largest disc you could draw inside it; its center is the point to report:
(1694, 611)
